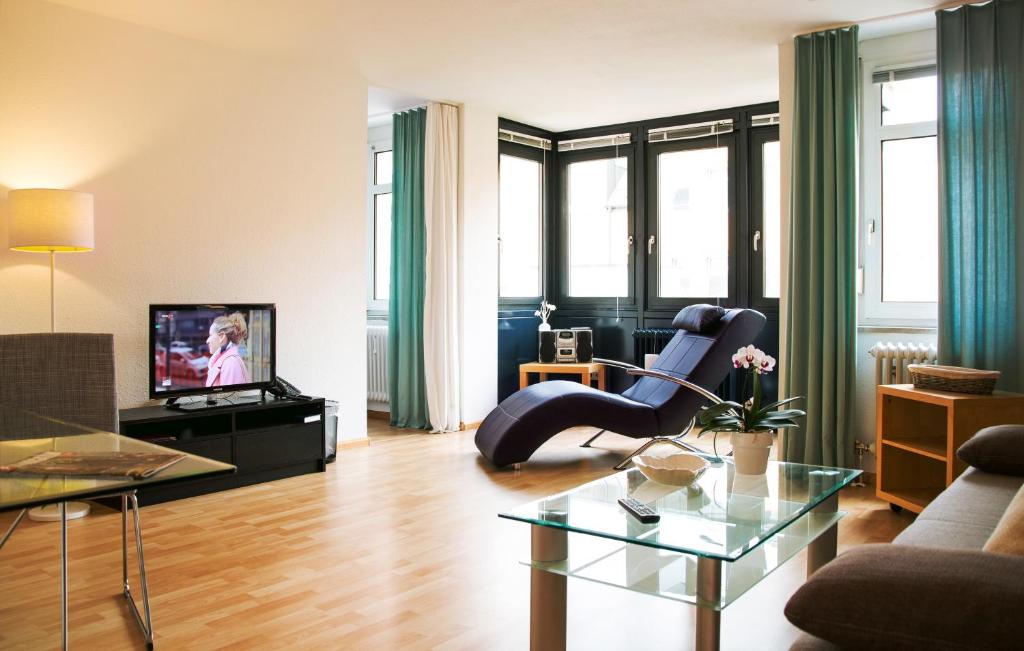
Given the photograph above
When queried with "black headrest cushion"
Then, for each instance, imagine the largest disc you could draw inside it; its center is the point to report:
(698, 318)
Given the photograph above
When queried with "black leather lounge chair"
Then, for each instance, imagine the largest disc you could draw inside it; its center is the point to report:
(660, 405)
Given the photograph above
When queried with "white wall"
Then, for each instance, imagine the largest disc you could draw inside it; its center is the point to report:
(217, 177)
(479, 243)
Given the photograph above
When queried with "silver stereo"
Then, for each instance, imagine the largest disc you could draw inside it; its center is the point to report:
(573, 345)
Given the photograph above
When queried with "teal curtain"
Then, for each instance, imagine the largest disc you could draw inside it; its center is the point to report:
(981, 105)
(821, 308)
(406, 383)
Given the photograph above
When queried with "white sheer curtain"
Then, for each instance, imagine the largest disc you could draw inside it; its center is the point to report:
(441, 302)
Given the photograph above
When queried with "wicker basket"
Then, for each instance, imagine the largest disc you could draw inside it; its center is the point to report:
(953, 378)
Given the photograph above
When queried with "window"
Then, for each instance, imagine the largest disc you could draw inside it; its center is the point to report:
(693, 223)
(690, 225)
(380, 163)
(598, 228)
(899, 226)
(520, 221)
(642, 219)
(771, 235)
(910, 231)
(765, 213)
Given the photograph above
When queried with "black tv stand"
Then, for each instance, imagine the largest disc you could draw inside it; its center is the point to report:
(266, 439)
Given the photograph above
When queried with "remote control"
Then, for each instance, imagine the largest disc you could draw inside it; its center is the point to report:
(639, 510)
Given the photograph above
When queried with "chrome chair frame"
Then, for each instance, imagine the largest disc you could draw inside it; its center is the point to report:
(656, 440)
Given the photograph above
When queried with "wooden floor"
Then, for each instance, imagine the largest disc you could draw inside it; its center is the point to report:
(396, 546)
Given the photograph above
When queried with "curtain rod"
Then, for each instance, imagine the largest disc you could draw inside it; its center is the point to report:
(942, 7)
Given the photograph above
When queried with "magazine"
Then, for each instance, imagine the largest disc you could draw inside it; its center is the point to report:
(137, 465)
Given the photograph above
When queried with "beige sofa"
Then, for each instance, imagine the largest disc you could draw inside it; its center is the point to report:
(934, 587)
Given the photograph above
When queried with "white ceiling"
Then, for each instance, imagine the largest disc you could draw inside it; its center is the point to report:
(557, 64)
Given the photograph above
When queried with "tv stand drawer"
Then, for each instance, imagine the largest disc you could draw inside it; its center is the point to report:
(265, 449)
(218, 449)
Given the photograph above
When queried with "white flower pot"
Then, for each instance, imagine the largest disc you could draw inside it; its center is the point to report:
(750, 451)
(544, 327)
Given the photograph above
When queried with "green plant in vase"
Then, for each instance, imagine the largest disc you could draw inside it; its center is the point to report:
(752, 424)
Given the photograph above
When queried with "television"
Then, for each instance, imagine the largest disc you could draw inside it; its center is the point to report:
(197, 349)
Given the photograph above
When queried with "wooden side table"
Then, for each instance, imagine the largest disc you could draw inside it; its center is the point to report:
(918, 432)
(585, 371)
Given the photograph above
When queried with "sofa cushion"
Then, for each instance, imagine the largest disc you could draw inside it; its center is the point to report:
(998, 449)
(948, 535)
(1008, 538)
(901, 597)
(698, 318)
(965, 514)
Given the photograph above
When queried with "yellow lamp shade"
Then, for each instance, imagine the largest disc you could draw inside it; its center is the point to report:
(45, 220)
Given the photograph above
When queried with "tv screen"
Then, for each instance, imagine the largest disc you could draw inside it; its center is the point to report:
(197, 349)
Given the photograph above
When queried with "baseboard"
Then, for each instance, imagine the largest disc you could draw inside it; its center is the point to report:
(378, 415)
(465, 426)
(353, 443)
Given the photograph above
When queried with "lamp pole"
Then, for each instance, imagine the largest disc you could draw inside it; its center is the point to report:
(53, 320)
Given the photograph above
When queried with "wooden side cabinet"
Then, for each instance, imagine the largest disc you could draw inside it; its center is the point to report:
(918, 432)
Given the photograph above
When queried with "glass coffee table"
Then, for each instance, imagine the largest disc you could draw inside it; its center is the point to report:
(24, 434)
(716, 539)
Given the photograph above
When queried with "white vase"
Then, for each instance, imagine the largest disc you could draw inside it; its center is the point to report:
(544, 327)
(750, 451)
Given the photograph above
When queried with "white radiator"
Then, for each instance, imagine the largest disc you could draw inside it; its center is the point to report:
(891, 360)
(377, 362)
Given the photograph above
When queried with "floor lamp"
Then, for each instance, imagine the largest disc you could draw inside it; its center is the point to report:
(51, 221)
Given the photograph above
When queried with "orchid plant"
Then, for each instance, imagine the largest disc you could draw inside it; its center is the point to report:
(545, 311)
(751, 416)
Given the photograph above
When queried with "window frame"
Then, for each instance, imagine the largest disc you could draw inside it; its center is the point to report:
(873, 310)
(375, 306)
(651, 261)
(543, 157)
(759, 137)
(566, 158)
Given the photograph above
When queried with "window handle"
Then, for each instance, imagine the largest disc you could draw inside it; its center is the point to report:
(629, 244)
(650, 244)
(757, 238)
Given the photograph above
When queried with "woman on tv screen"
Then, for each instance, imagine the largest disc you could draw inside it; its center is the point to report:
(227, 335)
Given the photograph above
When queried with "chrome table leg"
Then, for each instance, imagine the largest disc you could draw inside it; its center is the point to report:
(547, 590)
(823, 548)
(145, 623)
(124, 543)
(709, 591)
(64, 575)
(14, 525)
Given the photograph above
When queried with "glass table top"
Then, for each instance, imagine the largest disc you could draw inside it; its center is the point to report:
(724, 515)
(23, 434)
